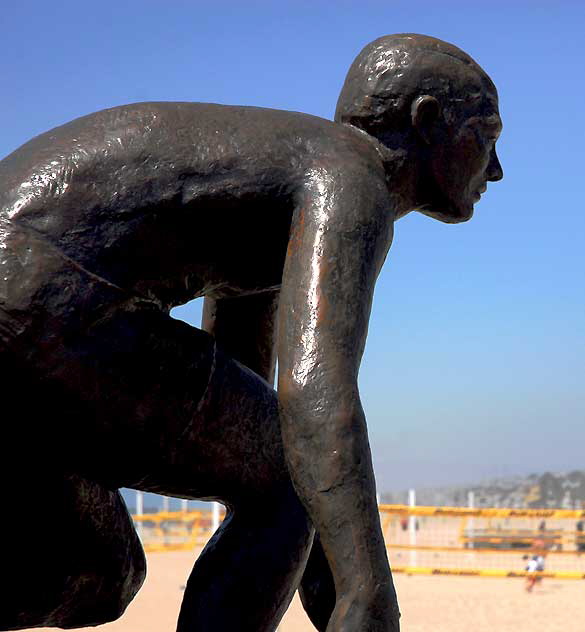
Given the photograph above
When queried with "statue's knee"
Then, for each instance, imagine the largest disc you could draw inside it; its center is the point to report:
(76, 561)
(49, 598)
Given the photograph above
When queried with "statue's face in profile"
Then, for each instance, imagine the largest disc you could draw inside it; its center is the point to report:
(463, 162)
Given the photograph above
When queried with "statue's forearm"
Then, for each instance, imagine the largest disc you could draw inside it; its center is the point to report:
(329, 460)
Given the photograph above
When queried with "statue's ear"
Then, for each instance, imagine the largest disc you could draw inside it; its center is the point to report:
(425, 111)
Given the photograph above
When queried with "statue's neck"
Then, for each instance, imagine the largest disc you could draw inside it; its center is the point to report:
(400, 170)
(400, 173)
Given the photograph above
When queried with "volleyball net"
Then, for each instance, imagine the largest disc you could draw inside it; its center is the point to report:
(427, 540)
(484, 542)
(177, 530)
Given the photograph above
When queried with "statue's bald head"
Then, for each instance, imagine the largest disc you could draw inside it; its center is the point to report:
(437, 111)
(392, 71)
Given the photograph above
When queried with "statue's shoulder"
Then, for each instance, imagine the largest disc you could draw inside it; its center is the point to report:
(350, 154)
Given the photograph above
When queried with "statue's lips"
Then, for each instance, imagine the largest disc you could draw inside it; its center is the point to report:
(477, 194)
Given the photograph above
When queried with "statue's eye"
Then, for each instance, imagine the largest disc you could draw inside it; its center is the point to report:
(485, 136)
(481, 137)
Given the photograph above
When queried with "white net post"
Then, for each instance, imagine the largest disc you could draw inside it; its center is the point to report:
(184, 502)
(214, 516)
(165, 504)
(470, 525)
(139, 511)
(412, 527)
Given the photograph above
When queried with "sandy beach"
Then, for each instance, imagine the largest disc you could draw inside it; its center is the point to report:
(428, 604)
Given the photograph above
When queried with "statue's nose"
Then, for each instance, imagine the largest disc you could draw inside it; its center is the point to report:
(494, 170)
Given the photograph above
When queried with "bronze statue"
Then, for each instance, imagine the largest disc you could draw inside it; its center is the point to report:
(282, 221)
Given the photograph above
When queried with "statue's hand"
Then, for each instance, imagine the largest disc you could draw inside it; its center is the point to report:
(366, 611)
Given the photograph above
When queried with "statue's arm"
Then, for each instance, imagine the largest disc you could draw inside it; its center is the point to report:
(245, 328)
(340, 236)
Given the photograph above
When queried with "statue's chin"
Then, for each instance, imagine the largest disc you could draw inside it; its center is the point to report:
(450, 214)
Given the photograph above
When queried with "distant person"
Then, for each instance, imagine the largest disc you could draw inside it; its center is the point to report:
(534, 567)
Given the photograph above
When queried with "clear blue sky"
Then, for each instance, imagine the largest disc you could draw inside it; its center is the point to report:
(475, 358)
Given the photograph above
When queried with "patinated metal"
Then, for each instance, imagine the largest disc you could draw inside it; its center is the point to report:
(282, 221)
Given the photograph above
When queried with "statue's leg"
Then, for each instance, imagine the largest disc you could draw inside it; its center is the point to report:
(164, 411)
(266, 515)
(247, 574)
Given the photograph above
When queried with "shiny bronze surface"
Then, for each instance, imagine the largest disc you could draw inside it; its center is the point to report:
(282, 221)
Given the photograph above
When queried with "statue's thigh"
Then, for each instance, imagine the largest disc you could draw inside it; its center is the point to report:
(71, 556)
(155, 405)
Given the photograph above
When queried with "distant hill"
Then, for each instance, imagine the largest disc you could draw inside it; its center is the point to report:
(548, 490)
